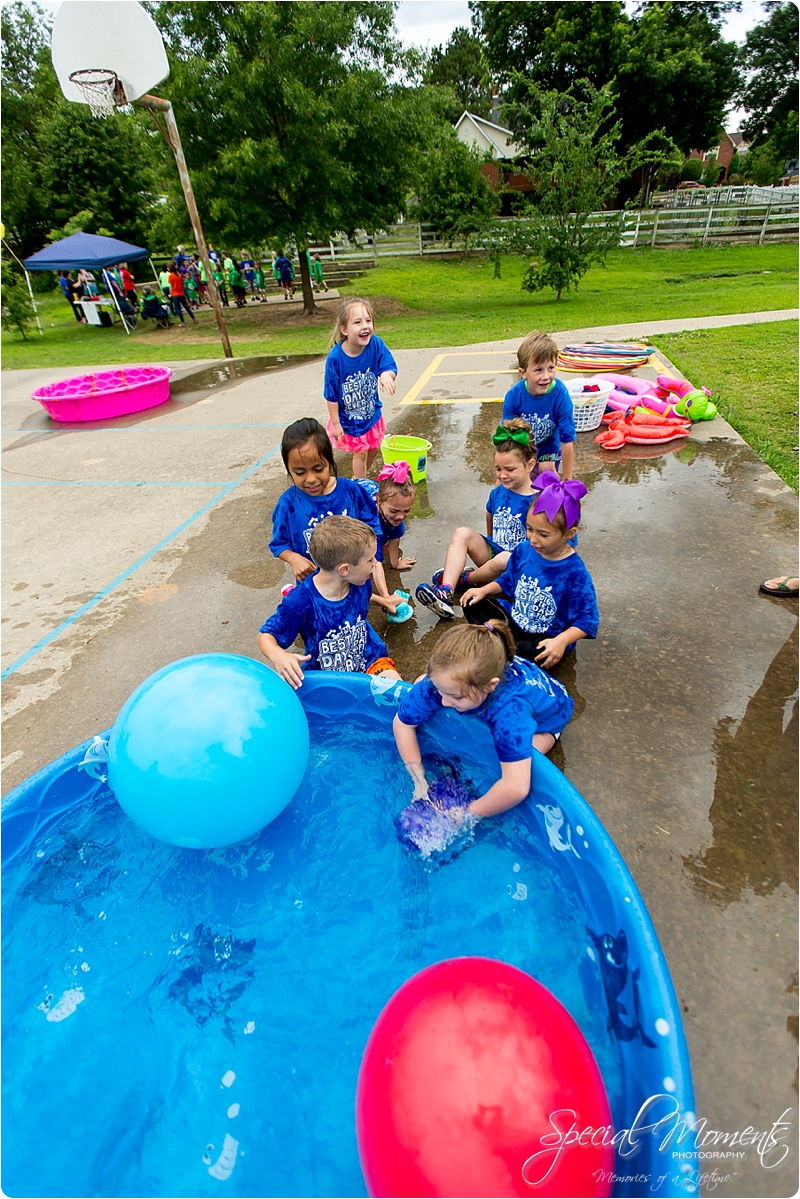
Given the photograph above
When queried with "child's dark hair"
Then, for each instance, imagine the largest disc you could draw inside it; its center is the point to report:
(342, 317)
(300, 433)
(525, 452)
(474, 653)
(340, 539)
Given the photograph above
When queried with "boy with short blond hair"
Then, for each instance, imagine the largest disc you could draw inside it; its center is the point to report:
(544, 402)
(329, 609)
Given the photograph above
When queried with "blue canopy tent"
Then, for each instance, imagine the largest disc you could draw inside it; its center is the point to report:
(87, 250)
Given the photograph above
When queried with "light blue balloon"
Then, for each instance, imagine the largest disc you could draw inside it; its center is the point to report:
(208, 750)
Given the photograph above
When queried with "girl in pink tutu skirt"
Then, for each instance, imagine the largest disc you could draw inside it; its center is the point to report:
(358, 365)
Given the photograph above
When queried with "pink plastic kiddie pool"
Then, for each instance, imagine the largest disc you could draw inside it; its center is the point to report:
(106, 394)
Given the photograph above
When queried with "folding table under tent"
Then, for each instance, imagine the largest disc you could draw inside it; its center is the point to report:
(88, 250)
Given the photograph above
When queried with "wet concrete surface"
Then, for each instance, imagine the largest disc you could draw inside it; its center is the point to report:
(684, 739)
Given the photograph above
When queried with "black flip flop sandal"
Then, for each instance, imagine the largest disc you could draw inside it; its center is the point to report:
(781, 591)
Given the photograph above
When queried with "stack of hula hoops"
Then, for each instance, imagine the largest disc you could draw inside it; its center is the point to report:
(588, 357)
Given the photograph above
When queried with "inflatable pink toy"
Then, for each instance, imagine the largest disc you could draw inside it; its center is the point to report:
(678, 387)
(627, 390)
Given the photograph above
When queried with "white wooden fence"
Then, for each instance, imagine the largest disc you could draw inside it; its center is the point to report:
(701, 197)
(775, 220)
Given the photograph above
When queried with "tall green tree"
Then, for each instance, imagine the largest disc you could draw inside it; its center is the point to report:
(453, 193)
(669, 65)
(461, 68)
(770, 93)
(292, 126)
(575, 167)
(678, 73)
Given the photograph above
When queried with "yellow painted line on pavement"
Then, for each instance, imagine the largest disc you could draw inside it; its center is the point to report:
(488, 371)
(659, 366)
(411, 396)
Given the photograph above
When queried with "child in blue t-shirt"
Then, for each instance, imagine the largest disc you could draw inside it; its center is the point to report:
(506, 510)
(329, 609)
(393, 495)
(473, 670)
(545, 404)
(552, 602)
(318, 492)
(358, 365)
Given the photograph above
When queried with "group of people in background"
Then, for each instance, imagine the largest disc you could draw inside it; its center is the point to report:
(184, 285)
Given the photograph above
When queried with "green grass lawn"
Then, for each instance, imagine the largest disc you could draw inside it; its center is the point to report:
(447, 301)
(752, 373)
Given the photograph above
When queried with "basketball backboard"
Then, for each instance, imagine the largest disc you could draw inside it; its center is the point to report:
(108, 35)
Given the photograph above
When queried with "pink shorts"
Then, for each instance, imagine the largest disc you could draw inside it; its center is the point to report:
(370, 440)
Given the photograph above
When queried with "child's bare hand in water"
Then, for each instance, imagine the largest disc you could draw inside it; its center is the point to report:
(417, 772)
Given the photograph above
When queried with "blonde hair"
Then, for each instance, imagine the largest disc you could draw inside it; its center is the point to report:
(340, 539)
(474, 653)
(388, 487)
(342, 317)
(537, 347)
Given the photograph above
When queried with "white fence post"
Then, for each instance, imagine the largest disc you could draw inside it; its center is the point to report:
(764, 226)
(636, 231)
(655, 230)
(419, 233)
(708, 222)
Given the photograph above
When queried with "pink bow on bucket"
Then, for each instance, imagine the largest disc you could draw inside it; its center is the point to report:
(398, 472)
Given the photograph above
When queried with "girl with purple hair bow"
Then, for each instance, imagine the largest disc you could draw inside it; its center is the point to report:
(545, 593)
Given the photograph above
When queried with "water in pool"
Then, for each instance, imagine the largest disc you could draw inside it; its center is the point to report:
(183, 1023)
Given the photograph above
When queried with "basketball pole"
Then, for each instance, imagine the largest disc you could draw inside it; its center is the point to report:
(155, 104)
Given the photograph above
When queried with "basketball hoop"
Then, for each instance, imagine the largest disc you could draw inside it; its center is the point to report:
(101, 90)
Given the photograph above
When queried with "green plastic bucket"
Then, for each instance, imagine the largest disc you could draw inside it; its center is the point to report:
(413, 450)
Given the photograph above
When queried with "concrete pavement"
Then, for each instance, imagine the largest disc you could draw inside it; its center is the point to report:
(131, 543)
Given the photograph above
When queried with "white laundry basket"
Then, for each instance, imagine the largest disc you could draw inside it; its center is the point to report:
(588, 406)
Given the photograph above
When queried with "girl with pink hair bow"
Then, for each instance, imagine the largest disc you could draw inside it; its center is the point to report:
(393, 495)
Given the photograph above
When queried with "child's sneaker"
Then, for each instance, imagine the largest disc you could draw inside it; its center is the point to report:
(463, 583)
(440, 599)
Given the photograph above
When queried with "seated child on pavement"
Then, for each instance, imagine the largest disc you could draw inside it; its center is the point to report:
(317, 492)
(328, 609)
(551, 598)
(506, 510)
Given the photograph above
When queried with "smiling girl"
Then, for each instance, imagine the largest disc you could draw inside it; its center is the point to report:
(551, 602)
(358, 365)
(317, 492)
(473, 670)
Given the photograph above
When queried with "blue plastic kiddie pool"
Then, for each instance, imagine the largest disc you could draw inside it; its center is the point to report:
(185, 1022)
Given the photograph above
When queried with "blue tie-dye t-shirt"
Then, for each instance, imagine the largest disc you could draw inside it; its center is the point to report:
(352, 383)
(549, 597)
(389, 532)
(296, 515)
(527, 701)
(336, 633)
(508, 511)
(550, 416)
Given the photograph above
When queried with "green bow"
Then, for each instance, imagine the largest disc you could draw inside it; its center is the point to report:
(501, 434)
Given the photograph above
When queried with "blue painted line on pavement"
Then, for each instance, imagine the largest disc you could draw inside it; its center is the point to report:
(95, 600)
(107, 483)
(145, 429)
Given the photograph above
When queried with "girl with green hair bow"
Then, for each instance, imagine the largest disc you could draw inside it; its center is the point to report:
(506, 510)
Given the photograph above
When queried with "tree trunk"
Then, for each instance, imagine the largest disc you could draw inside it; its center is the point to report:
(309, 307)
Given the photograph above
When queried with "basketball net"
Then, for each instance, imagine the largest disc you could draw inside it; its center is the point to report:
(101, 90)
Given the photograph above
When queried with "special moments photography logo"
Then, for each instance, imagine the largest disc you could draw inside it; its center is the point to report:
(696, 1152)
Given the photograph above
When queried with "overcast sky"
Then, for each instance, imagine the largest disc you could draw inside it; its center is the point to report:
(429, 23)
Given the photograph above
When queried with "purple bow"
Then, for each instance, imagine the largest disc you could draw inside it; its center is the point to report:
(398, 472)
(555, 495)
